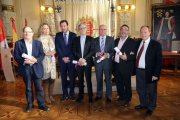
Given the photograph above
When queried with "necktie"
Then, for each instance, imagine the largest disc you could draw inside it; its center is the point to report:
(139, 55)
(82, 45)
(102, 44)
(65, 39)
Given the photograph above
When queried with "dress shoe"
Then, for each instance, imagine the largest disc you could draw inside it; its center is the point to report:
(108, 100)
(127, 104)
(64, 98)
(139, 107)
(119, 99)
(29, 108)
(90, 100)
(44, 108)
(149, 112)
(79, 99)
(72, 98)
(97, 98)
(123, 103)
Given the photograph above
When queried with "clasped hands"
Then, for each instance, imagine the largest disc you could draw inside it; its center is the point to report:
(82, 62)
(66, 59)
(30, 61)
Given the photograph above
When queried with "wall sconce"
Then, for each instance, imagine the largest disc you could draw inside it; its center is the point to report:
(47, 9)
(125, 7)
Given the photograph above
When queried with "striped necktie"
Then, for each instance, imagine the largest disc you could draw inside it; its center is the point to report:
(102, 44)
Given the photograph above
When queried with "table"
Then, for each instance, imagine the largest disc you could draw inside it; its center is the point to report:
(173, 56)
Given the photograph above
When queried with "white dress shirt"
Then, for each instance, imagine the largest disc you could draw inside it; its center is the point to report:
(29, 47)
(82, 41)
(142, 63)
(120, 44)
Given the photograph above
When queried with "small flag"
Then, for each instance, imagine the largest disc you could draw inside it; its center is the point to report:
(14, 32)
(25, 22)
(3, 41)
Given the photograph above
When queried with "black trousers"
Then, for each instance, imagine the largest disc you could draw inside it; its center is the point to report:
(147, 91)
(123, 83)
(87, 71)
(29, 79)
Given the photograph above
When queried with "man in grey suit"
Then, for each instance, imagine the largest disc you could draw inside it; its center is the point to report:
(103, 48)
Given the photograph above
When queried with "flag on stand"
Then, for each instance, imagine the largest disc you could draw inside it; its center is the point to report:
(3, 41)
(6, 65)
(2, 37)
(14, 32)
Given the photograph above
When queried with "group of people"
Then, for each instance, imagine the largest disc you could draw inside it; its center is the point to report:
(124, 56)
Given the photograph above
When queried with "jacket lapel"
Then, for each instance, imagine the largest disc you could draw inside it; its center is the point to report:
(106, 43)
(149, 48)
(24, 46)
(123, 47)
(33, 48)
(63, 41)
(79, 45)
(117, 42)
(98, 43)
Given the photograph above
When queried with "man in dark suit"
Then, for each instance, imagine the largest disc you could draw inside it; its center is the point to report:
(104, 47)
(63, 44)
(29, 54)
(83, 52)
(124, 63)
(148, 68)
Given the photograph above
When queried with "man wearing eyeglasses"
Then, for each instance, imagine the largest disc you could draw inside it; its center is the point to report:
(29, 54)
(83, 52)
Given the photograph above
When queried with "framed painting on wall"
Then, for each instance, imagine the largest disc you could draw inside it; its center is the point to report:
(166, 25)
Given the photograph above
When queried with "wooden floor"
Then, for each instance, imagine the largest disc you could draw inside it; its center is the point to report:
(13, 103)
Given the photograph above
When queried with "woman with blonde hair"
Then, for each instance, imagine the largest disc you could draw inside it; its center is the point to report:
(49, 62)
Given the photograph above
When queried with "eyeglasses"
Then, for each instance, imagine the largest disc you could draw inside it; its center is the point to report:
(82, 28)
(102, 29)
(28, 32)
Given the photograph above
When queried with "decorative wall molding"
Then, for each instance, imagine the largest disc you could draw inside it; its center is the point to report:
(7, 8)
(125, 17)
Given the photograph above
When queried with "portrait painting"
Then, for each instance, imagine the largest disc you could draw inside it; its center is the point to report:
(166, 24)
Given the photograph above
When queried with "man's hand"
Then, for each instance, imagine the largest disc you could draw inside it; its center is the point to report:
(154, 78)
(123, 56)
(100, 54)
(105, 55)
(82, 62)
(66, 59)
(30, 61)
(33, 59)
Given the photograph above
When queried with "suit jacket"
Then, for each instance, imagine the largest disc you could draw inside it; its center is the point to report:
(37, 52)
(88, 49)
(153, 60)
(129, 47)
(109, 48)
(62, 49)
